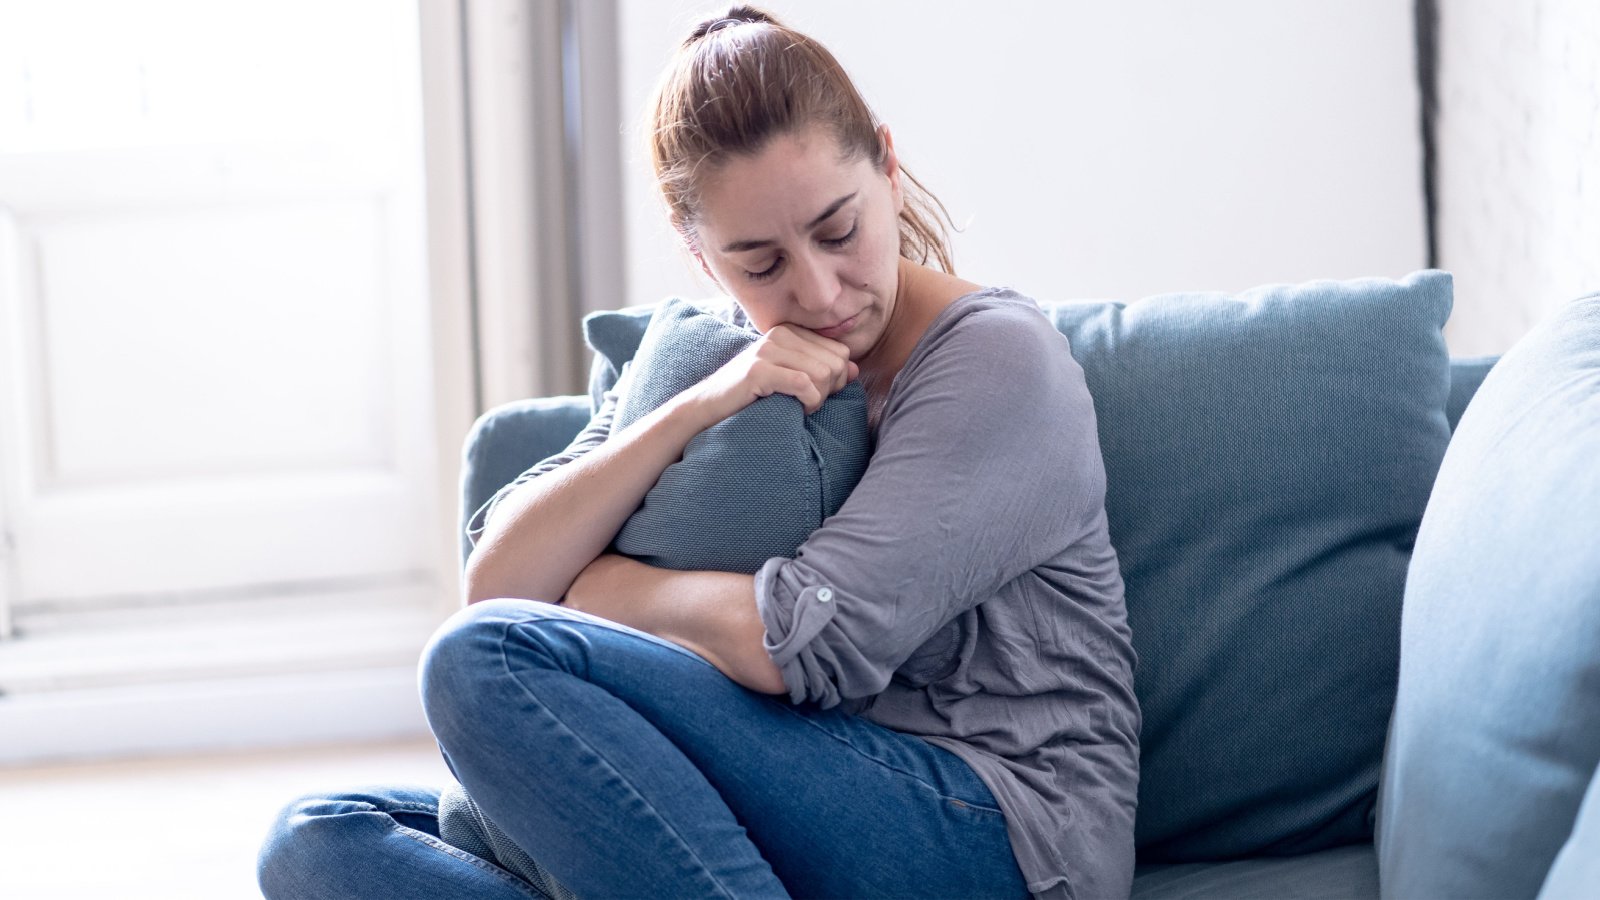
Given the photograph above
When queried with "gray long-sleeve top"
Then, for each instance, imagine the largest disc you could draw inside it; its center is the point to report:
(967, 592)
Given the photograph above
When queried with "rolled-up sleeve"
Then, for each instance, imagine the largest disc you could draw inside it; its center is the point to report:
(988, 464)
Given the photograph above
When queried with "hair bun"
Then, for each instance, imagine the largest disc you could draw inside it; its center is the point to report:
(738, 14)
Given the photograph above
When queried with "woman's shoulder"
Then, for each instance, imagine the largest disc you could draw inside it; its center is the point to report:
(994, 323)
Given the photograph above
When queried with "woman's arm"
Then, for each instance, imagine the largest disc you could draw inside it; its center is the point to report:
(987, 467)
(542, 535)
(710, 613)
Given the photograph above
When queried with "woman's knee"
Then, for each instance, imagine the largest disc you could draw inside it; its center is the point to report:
(308, 834)
(320, 841)
(459, 658)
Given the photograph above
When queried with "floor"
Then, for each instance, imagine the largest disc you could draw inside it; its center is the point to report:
(172, 828)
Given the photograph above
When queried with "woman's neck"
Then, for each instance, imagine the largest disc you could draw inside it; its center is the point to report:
(921, 294)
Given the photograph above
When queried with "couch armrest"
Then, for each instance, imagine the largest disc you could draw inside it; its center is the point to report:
(508, 440)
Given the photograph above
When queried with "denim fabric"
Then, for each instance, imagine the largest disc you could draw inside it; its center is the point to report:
(373, 841)
(1496, 731)
(631, 767)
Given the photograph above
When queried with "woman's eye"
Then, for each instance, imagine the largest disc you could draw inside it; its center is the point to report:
(765, 274)
(772, 270)
(842, 239)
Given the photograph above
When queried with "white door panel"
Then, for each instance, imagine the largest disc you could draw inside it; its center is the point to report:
(212, 342)
(214, 349)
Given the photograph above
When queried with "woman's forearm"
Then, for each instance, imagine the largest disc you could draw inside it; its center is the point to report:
(545, 532)
(711, 613)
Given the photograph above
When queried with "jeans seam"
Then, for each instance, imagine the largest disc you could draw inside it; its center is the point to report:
(893, 768)
(426, 808)
(466, 857)
(506, 663)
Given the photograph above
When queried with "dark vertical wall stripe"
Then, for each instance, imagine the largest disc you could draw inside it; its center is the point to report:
(1427, 22)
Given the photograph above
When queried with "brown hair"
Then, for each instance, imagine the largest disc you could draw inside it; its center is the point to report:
(742, 78)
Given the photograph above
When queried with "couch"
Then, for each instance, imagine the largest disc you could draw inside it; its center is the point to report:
(1363, 580)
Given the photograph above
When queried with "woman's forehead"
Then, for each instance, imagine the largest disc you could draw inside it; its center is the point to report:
(788, 184)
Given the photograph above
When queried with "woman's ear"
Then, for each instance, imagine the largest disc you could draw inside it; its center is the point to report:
(891, 168)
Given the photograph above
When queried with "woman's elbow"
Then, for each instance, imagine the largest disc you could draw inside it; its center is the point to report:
(481, 581)
(760, 673)
(771, 682)
(474, 584)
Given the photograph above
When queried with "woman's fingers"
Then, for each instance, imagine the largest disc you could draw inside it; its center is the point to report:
(833, 369)
(788, 360)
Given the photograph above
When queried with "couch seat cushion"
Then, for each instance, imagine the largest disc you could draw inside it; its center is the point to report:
(1343, 873)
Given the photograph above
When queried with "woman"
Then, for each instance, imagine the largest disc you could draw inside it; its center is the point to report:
(934, 698)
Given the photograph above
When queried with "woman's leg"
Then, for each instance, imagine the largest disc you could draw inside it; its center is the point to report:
(629, 766)
(378, 842)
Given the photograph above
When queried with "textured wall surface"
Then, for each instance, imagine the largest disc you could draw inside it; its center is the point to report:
(1518, 177)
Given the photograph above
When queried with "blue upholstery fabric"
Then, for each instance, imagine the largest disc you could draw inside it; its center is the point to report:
(1344, 873)
(1496, 731)
(1575, 875)
(1268, 457)
(1466, 375)
(614, 335)
(508, 439)
(749, 488)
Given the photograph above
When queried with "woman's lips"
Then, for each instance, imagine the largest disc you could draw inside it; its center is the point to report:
(841, 329)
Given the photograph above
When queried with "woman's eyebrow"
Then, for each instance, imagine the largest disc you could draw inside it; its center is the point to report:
(741, 246)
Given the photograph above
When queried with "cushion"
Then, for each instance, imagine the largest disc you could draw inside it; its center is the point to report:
(614, 336)
(1268, 458)
(1496, 731)
(1575, 875)
(1344, 873)
(749, 488)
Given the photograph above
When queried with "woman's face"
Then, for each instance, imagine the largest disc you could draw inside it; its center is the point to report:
(796, 235)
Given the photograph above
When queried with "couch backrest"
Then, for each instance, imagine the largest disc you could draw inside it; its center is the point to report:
(1268, 458)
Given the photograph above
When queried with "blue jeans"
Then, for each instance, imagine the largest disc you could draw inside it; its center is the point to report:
(631, 767)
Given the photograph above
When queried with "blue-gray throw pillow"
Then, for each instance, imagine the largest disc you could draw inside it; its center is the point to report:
(1496, 731)
(614, 336)
(749, 488)
(1268, 458)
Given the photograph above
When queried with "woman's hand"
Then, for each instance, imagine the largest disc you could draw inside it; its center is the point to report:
(786, 360)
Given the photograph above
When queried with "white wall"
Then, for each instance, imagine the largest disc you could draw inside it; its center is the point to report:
(1099, 150)
(1518, 181)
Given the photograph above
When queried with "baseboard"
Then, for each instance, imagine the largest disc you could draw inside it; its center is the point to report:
(222, 714)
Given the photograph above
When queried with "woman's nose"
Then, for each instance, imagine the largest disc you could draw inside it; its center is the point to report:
(817, 286)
